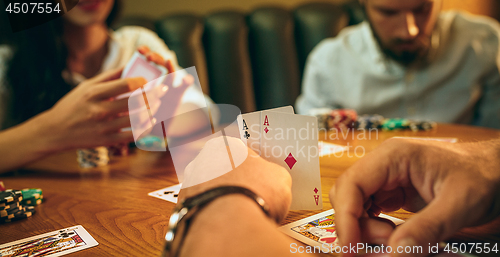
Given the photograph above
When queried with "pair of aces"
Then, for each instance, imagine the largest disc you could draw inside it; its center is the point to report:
(291, 141)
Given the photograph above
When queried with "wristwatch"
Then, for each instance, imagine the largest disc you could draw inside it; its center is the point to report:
(183, 215)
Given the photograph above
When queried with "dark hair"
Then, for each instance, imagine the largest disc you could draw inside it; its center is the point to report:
(34, 73)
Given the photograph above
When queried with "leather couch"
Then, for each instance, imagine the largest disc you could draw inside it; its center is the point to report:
(252, 60)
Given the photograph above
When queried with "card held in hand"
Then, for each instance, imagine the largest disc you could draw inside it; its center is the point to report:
(251, 127)
(291, 141)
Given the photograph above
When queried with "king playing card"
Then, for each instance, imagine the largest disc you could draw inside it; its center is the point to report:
(56, 243)
(320, 229)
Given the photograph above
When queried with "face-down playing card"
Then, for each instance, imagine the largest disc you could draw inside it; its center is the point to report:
(291, 141)
(139, 66)
(170, 193)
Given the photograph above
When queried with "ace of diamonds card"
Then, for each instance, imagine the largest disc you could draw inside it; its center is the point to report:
(291, 141)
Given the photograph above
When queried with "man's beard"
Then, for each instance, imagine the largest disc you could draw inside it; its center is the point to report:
(404, 57)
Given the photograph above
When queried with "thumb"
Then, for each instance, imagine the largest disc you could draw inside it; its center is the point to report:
(440, 219)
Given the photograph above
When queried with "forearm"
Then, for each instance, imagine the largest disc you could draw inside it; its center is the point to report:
(23, 144)
(234, 226)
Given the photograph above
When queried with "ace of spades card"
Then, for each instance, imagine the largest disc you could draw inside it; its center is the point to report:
(291, 141)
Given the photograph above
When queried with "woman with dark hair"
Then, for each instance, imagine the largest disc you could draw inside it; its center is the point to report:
(57, 79)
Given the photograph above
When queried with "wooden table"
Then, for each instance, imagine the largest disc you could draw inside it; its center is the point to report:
(112, 202)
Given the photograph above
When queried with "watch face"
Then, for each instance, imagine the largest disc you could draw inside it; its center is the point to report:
(175, 234)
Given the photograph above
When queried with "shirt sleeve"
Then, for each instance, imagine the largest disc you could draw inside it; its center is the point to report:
(312, 84)
(488, 110)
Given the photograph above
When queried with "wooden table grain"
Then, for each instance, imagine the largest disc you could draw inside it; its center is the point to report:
(113, 205)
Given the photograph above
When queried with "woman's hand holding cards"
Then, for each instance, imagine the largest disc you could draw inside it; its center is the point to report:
(88, 116)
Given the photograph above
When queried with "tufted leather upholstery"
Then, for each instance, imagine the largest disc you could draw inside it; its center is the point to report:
(253, 60)
(274, 57)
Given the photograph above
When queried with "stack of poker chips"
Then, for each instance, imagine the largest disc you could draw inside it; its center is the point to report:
(151, 143)
(32, 196)
(369, 122)
(118, 150)
(422, 125)
(344, 119)
(340, 119)
(395, 124)
(403, 124)
(13, 207)
(92, 157)
(321, 114)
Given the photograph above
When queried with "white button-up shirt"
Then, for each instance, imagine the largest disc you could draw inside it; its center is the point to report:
(458, 83)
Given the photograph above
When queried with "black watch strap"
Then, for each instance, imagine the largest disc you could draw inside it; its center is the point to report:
(182, 216)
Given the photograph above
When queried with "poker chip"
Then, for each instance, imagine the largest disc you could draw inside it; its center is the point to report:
(7, 212)
(9, 206)
(340, 119)
(344, 119)
(151, 143)
(369, 122)
(92, 157)
(322, 115)
(32, 193)
(10, 196)
(4, 213)
(19, 204)
(395, 124)
(32, 196)
(24, 212)
(32, 202)
(118, 150)
(422, 125)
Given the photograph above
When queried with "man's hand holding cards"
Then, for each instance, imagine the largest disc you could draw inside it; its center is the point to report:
(291, 141)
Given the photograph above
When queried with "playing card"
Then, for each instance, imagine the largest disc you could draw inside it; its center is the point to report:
(56, 243)
(168, 194)
(291, 141)
(251, 127)
(139, 66)
(441, 139)
(328, 149)
(319, 229)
